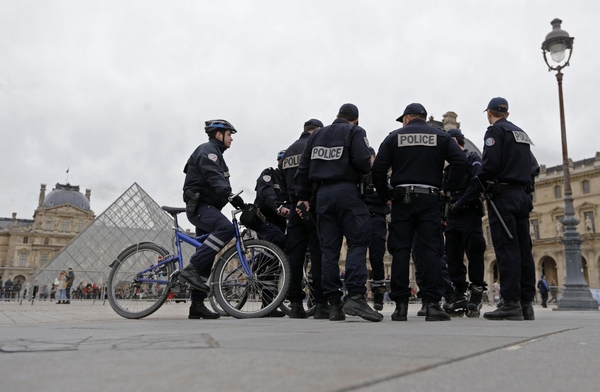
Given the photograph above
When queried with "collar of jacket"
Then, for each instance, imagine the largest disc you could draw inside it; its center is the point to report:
(219, 144)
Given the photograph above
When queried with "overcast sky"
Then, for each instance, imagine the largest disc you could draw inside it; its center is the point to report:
(118, 91)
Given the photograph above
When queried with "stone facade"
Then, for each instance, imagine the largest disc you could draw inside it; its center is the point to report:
(28, 244)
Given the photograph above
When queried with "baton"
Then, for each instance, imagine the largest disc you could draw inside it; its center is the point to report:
(491, 202)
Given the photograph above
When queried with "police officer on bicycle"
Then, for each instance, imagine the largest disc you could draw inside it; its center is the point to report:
(335, 160)
(206, 191)
(416, 153)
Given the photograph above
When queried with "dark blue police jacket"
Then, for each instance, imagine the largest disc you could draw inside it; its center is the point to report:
(336, 153)
(291, 161)
(270, 193)
(207, 173)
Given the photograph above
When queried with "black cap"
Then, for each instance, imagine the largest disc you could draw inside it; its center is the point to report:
(372, 151)
(456, 133)
(413, 108)
(349, 108)
(498, 104)
(314, 122)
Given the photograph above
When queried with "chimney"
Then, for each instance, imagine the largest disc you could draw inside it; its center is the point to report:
(88, 194)
(14, 216)
(42, 195)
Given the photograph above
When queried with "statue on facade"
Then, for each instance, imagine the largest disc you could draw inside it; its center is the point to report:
(559, 228)
(589, 226)
(531, 231)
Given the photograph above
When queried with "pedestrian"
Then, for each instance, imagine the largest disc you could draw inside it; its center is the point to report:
(206, 191)
(507, 172)
(302, 234)
(335, 160)
(542, 286)
(464, 236)
(70, 279)
(61, 288)
(378, 211)
(416, 153)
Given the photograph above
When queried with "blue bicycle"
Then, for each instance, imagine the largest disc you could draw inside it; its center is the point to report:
(249, 279)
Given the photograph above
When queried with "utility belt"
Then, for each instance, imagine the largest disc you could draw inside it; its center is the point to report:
(403, 191)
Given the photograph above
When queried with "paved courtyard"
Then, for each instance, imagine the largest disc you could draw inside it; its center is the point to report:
(85, 345)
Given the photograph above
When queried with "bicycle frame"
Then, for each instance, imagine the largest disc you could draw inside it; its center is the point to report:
(181, 236)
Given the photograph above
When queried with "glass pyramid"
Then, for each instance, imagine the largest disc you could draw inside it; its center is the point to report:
(134, 217)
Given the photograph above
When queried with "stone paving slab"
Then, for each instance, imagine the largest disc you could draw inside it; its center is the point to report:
(43, 344)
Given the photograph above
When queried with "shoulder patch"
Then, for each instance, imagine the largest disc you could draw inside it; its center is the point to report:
(367, 141)
(212, 157)
(267, 178)
(490, 141)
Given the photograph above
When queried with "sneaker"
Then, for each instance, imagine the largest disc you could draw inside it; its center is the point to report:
(335, 310)
(527, 309)
(191, 276)
(322, 311)
(198, 310)
(400, 312)
(378, 293)
(297, 311)
(356, 305)
(434, 312)
(507, 310)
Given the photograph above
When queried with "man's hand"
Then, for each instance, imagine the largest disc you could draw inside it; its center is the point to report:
(302, 205)
(283, 211)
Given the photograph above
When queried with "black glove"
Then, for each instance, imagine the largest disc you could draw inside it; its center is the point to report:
(237, 202)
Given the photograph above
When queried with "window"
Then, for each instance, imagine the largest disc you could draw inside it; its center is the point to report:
(588, 221)
(48, 225)
(46, 241)
(22, 259)
(80, 227)
(585, 186)
(557, 192)
(44, 259)
(533, 198)
(65, 225)
(25, 240)
(534, 229)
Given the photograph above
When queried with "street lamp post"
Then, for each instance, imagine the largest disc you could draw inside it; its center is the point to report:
(576, 295)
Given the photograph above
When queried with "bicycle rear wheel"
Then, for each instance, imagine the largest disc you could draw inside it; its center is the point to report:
(245, 296)
(128, 294)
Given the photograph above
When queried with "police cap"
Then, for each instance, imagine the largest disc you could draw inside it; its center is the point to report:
(349, 109)
(498, 104)
(413, 108)
(314, 122)
(456, 133)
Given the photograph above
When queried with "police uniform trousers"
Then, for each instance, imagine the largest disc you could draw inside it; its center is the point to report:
(377, 246)
(464, 236)
(421, 217)
(208, 219)
(446, 289)
(271, 232)
(341, 213)
(515, 261)
(301, 236)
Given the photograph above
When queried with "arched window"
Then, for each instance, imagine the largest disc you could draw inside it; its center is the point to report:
(48, 225)
(22, 259)
(64, 225)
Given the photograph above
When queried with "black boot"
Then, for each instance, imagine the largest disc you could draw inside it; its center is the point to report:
(474, 306)
(322, 311)
(198, 310)
(527, 309)
(457, 305)
(190, 275)
(335, 310)
(297, 310)
(378, 293)
(434, 312)
(507, 310)
(400, 312)
(421, 312)
(356, 305)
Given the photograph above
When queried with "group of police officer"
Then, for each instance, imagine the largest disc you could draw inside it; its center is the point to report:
(330, 185)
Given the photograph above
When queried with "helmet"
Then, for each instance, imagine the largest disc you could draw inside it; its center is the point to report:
(280, 154)
(218, 125)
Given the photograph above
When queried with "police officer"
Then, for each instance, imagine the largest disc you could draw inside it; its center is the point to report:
(271, 197)
(206, 191)
(378, 211)
(416, 153)
(302, 233)
(335, 159)
(464, 235)
(506, 172)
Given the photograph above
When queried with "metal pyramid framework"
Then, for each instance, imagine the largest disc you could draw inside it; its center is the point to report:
(134, 217)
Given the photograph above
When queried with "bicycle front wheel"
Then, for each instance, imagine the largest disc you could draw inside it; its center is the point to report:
(133, 294)
(252, 295)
